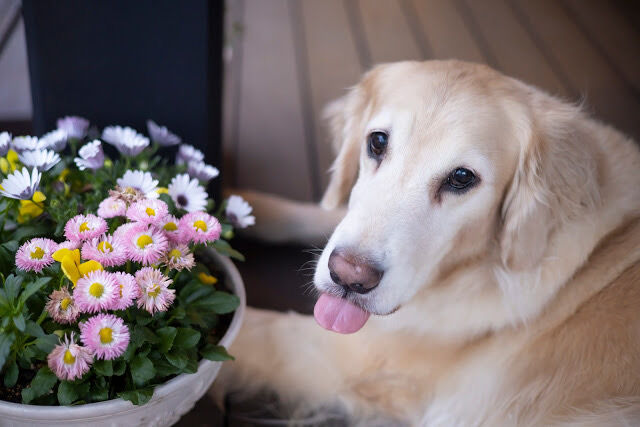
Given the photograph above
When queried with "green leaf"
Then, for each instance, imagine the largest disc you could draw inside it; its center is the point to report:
(19, 321)
(144, 319)
(25, 232)
(41, 384)
(223, 247)
(12, 287)
(11, 374)
(186, 338)
(12, 246)
(119, 367)
(177, 358)
(32, 288)
(192, 366)
(220, 302)
(199, 293)
(142, 334)
(103, 367)
(46, 343)
(69, 392)
(99, 390)
(137, 397)
(6, 340)
(129, 352)
(142, 370)
(167, 335)
(33, 329)
(216, 353)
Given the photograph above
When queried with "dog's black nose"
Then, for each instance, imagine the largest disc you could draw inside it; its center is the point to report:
(353, 272)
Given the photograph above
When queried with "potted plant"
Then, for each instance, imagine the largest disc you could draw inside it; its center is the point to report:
(113, 287)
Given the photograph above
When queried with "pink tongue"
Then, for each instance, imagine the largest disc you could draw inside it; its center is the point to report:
(339, 315)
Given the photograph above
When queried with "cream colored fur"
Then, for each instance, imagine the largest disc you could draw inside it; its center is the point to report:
(515, 303)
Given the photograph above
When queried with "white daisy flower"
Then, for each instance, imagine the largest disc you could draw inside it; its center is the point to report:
(5, 139)
(187, 193)
(91, 156)
(55, 140)
(188, 153)
(75, 127)
(202, 171)
(161, 135)
(126, 140)
(41, 159)
(238, 212)
(20, 184)
(141, 181)
(23, 143)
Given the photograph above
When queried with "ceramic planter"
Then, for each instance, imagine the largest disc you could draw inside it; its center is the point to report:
(170, 401)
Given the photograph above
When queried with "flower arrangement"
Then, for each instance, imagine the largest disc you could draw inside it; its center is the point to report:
(102, 292)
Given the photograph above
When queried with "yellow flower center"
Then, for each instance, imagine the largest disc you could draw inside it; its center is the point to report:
(201, 225)
(64, 304)
(170, 226)
(37, 254)
(121, 286)
(69, 358)
(96, 289)
(105, 247)
(130, 190)
(143, 241)
(150, 212)
(154, 291)
(175, 254)
(106, 335)
(84, 227)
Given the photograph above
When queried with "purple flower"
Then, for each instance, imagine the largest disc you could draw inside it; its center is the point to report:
(161, 135)
(91, 156)
(75, 127)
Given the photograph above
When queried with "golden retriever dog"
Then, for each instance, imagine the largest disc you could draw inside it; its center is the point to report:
(485, 271)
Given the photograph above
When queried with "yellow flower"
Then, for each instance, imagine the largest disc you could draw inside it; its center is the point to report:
(207, 279)
(162, 190)
(30, 208)
(63, 175)
(71, 266)
(12, 158)
(4, 165)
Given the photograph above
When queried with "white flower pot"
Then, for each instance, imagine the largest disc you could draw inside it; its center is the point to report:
(170, 401)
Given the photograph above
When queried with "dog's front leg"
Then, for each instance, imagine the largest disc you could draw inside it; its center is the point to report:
(287, 353)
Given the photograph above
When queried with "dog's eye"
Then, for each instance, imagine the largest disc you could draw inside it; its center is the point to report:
(377, 142)
(460, 178)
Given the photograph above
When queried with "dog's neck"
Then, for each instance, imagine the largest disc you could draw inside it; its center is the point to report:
(483, 296)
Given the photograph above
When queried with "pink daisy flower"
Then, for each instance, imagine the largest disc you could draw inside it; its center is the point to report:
(106, 249)
(170, 229)
(179, 258)
(84, 227)
(61, 306)
(121, 231)
(145, 244)
(128, 290)
(155, 294)
(112, 207)
(106, 335)
(148, 211)
(68, 244)
(68, 360)
(96, 291)
(200, 227)
(35, 254)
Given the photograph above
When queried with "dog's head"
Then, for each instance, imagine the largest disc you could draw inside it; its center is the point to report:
(453, 174)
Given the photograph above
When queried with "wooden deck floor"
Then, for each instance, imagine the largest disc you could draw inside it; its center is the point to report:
(293, 56)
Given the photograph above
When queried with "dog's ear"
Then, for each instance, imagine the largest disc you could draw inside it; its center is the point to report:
(343, 117)
(556, 180)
